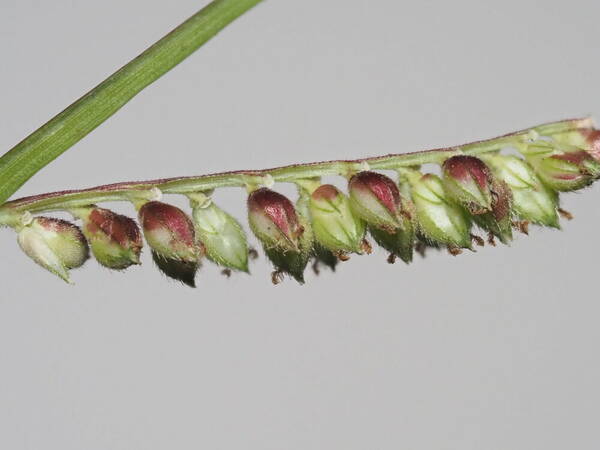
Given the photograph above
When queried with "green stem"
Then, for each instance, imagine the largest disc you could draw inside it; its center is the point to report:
(68, 127)
(144, 190)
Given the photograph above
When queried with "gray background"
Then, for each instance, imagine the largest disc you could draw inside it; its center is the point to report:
(494, 350)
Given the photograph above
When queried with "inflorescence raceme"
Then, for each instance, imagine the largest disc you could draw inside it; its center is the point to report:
(480, 186)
